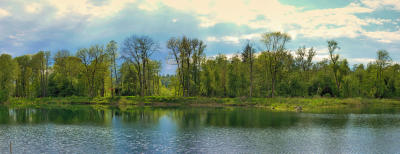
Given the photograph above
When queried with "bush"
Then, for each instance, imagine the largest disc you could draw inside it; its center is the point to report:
(3, 96)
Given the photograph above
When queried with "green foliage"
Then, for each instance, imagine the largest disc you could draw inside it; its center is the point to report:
(3, 96)
(98, 72)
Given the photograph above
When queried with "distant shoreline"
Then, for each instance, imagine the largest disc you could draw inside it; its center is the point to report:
(278, 103)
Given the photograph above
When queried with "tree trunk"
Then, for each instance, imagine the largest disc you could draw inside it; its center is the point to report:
(112, 88)
(251, 78)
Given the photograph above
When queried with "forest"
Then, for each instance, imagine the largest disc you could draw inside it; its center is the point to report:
(127, 69)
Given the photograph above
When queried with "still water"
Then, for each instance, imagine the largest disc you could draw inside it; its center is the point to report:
(89, 129)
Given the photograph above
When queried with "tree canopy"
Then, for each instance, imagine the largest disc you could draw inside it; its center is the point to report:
(129, 70)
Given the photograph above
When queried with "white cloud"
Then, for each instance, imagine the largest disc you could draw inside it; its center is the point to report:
(149, 5)
(86, 8)
(384, 36)
(375, 4)
(378, 21)
(326, 23)
(4, 13)
(231, 39)
(361, 60)
(33, 8)
(234, 39)
(212, 39)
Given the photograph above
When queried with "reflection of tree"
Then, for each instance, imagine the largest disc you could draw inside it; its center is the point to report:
(62, 115)
(79, 114)
(236, 117)
(185, 118)
(141, 114)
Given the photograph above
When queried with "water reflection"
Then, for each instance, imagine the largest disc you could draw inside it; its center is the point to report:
(188, 118)
(116, 129)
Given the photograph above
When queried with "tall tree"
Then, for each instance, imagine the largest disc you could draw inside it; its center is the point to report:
(248, 58)
(113, 54)
(334, 58)
(275, 43)
(187, 54)
(8, 73)
(93, 59)
(198, 47)
(39, 64)
(23, 79)
(383, 61)
(137, 50)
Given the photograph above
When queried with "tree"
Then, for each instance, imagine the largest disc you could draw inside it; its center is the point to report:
(248, 57)
(275, 43)
(187, 55)
(173, 45)
(383, 61)
(8, 73)
(23, 79)
(197, 47)
(137, 50)
(304, 58)
(332, 46)
(40, 66)
(93, 60)
(68, 74)
(113, 54)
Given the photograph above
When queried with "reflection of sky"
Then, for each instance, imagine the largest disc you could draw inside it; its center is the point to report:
(360, 26)
(187, 131)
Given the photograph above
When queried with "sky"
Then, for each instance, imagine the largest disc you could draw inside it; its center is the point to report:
(361, 27)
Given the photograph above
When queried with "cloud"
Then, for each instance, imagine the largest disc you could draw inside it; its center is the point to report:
(384, 36)
(4, 13)
(378, 21)
(361, 60)
(234, 39)
(33, 8)
(149, 5)
(359, 26)
(88, 8)
(375, 4)
(323, 23)
(212, 39)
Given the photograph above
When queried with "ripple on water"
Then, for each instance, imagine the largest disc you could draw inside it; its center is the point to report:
(310, 133)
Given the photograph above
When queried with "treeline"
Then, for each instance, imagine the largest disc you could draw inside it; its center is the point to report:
(277, 71)
(129, 71)
(95, 71)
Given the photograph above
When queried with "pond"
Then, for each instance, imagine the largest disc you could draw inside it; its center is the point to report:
(111, 129)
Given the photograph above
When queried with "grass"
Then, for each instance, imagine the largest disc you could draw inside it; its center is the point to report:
(277, 103)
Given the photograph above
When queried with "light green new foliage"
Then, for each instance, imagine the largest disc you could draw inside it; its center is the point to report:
(7, 76)
(248, 77)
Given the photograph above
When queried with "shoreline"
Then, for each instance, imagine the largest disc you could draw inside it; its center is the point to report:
(278, 103)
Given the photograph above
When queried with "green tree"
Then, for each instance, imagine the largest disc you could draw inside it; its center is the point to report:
(8, 73)
(383, 61)
(334, 58)
(137, 50)
(112, 51)
(187, 55)
(248, 57)
(93, 60)
(23, 80)
(275, 43)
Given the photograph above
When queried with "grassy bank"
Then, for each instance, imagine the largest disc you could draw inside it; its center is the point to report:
(278, 103)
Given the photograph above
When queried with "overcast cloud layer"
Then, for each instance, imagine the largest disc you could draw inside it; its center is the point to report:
(361, 27)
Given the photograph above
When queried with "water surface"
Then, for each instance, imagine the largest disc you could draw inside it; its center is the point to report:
(91, 129)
